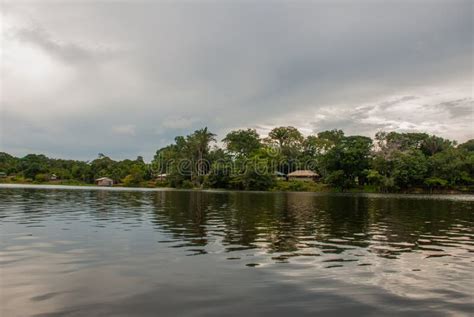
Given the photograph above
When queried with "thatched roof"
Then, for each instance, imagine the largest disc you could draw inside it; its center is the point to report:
(303, 173)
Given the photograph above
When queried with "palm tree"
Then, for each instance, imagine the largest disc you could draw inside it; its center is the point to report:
(200, 141)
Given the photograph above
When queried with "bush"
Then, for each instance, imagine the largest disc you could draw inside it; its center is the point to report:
(299, 186)
(187, 184)
(435, 182)
(381, 182)
(219, 177)
(161, 183)
(42, 177)
(339, 180)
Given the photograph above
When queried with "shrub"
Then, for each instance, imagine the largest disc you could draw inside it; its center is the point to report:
(186, 184)
(42, 177)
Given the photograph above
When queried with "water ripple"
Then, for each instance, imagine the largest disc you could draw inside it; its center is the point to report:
(107, 244)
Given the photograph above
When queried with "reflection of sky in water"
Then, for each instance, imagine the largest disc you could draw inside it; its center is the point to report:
(109, 251)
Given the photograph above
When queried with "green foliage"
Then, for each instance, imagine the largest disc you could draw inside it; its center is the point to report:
(255, 174)
(467, 146)
(410, 168)
(381, 182)
(242, 142)
(286, 144)
(397, 162)
(418, 160)
(186, 184)
(8, 163)
(136, 176)
(286, 137)
(331, 137)
(400, 141)
(41, 178)
(434, 144)
(298, 186)
(339, 179)
(220, 176)
(435, 182)
(455, 166)
(346, 163)
(187, 159)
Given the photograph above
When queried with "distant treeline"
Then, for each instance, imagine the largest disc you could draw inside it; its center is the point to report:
(390, 162)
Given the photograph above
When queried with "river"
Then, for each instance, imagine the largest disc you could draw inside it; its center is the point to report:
(80, 251)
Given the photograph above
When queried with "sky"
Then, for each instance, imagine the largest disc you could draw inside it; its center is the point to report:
(80, 78)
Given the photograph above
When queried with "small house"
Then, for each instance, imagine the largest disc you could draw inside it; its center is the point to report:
(161, 177)
(306, 175)
(104, 181)
(53, 177)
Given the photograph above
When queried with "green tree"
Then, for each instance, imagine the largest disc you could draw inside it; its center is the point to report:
(288, 141)
(468, 145)
(242, 142)
(256, 175)
(135, 176)
(453, 166)
(8, 163)
(409, 168)
(350, 156)
(287, 138)
(434, 144)
(199, 142)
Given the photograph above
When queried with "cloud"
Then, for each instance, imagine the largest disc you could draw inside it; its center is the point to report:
(126, 129)
(178, 122)
(64, 51)
(125, 78)
(459, 108)
(423, 113)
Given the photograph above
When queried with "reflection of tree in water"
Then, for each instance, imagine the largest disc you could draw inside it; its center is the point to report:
(293, 221)
(118, 205)
(274, 222)
(403, 225)
(182, 214)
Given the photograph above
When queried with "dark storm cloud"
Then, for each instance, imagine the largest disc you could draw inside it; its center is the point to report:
(162, 69)
(457, 108)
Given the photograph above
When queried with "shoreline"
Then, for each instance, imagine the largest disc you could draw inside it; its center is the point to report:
(330, 190)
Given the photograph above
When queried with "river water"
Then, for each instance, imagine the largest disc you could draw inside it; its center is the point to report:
(79, 251)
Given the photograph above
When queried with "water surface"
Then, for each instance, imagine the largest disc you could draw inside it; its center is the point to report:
(68, 251)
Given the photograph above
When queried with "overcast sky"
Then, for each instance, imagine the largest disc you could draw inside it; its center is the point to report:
(83, 77)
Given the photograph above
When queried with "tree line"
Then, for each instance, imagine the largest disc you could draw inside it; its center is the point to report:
(390, 162)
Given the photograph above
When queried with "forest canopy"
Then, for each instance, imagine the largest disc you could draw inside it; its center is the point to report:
(392, 161)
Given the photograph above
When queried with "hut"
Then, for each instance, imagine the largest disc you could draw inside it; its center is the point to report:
(305, 175)
(53, 177)
(161, 177)
(104, 181)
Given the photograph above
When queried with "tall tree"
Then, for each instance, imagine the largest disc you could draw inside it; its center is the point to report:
(289, 143)
(347, 162)
(242, 142)
(200, 142)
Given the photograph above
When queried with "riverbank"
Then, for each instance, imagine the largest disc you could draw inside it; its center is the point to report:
(281, 186)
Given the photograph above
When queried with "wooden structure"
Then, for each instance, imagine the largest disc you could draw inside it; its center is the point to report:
(161, 177)
(104, 181)
(305, 175)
